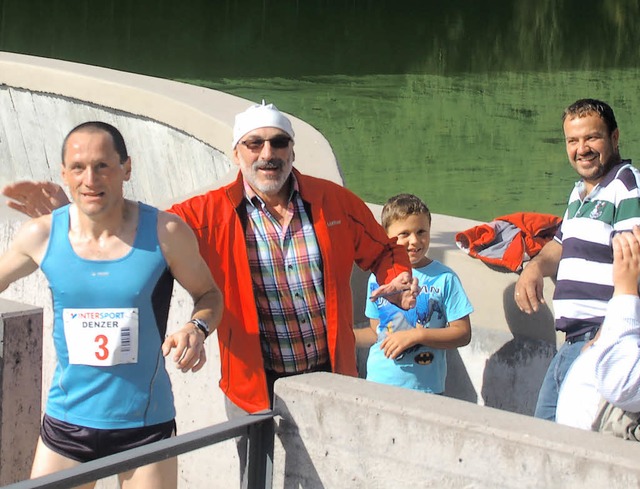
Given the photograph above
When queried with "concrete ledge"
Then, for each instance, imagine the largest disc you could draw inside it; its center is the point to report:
(338, 431)
(20, 382)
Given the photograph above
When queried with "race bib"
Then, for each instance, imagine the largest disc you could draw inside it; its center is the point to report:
(101, 337)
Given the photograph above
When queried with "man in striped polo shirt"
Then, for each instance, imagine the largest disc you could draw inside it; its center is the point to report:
(604, 200)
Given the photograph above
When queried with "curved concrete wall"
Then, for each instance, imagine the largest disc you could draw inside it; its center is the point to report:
(166, 123)
(179, 138)
(166, 161)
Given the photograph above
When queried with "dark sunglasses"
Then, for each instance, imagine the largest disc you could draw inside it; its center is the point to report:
(277, 142)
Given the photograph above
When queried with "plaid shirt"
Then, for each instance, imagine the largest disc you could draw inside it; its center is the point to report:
(286, 271)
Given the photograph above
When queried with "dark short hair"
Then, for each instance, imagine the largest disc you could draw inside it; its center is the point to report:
(94, 126)
(402, 206)
(586, 106)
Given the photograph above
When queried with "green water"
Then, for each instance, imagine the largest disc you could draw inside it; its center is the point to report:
(458, 103)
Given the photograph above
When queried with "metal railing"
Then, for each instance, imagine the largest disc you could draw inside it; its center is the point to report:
(258, 427)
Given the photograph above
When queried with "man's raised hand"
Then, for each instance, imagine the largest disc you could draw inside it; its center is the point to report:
(35, 199)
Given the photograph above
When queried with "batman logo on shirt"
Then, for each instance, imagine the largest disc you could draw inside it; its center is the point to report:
(423, 358)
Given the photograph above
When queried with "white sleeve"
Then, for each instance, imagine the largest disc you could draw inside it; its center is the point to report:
(618, 352)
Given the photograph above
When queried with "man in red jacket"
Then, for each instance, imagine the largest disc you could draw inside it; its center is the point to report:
(288, 303)
(281, 245)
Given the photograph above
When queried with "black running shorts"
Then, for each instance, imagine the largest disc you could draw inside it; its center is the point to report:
(84, 444)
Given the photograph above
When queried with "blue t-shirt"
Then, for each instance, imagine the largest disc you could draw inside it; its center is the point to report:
(441, 300)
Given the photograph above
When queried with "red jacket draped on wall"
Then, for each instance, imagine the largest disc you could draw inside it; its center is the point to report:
(508, 241)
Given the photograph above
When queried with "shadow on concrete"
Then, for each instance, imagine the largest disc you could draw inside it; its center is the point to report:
(299, 471)
(514, 373)
(362, 354)
(540, 325)
(459, 385)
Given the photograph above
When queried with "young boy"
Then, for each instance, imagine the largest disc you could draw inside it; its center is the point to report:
(410, 347)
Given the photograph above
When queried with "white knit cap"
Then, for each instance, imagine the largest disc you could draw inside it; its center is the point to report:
(257, 116)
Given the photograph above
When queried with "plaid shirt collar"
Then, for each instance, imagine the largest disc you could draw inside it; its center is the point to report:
(255, 199)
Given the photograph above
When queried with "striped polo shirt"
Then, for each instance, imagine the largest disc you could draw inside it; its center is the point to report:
(584, 282)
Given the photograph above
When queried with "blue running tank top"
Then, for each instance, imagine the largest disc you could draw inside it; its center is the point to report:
(110, 319)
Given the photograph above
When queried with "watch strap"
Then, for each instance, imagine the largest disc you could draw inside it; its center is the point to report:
(201, 325)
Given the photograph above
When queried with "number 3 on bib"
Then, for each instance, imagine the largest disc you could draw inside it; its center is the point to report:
(101, 337)
(102, 353)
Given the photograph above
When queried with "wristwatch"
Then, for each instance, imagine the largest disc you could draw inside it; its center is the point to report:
(202, 326)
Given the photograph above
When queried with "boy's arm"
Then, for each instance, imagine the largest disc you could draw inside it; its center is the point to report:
(456, 334)
(367, 336)
(180, 249)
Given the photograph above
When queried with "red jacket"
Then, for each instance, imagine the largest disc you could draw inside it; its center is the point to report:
(346, 231)
(508, 241)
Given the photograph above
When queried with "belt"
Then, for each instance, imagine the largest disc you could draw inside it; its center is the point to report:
(586, 336)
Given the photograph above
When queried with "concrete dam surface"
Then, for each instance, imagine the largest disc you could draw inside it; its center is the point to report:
(179, 138)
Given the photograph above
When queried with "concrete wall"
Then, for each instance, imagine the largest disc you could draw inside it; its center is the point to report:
(168, 126)
(20, 379)
(165, 161)
(179, 138)
(338, 432)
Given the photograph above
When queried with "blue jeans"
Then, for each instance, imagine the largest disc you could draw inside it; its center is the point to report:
(548, 395)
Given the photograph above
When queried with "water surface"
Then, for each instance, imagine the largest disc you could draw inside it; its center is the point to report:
(459, 103)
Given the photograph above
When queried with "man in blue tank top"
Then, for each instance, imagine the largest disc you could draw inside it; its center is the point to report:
(110, 263)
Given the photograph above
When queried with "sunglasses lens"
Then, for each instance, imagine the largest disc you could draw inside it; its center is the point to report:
(277, 142)
(254, 144)
(280, 142)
